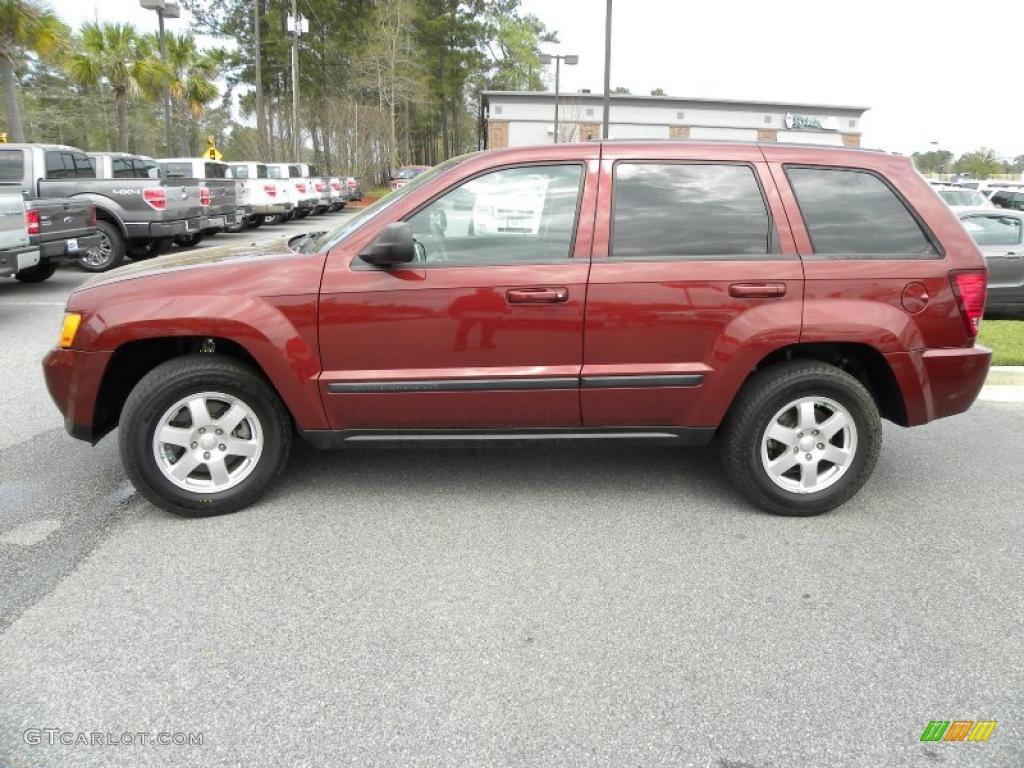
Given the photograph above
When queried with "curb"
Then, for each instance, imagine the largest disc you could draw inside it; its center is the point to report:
(1005, 375)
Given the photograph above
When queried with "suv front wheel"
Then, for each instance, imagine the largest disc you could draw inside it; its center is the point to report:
(801, 438)
(203, 436)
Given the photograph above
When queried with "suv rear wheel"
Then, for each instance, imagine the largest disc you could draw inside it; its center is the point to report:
(801, 438)
(203, 436)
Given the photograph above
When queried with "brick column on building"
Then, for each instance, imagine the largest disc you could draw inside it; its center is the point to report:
(679, 131)
(497, 134)
(767, 134)
(851, 139)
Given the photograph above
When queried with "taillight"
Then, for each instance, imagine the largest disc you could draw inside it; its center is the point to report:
(204, 196)
(156, 197)
(32, 221)
(969, 287)
(92, 216)
(270, 189)
(336, 186)
(352, 183)
(318, 186)
(300, 187)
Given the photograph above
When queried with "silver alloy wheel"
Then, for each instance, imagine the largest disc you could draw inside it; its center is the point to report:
(808, 445)
(207, 442)
(100, 255)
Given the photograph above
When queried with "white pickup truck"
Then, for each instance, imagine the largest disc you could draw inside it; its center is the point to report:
(268, 197)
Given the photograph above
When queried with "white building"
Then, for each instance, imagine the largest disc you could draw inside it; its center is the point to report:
(518, 118)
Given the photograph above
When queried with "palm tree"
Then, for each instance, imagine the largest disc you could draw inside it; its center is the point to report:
(26, 26)
(190, 76)
(121, 57)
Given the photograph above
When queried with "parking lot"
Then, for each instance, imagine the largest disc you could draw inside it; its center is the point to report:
(563, 604)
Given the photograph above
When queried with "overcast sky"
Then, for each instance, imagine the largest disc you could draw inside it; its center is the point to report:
(925, 67)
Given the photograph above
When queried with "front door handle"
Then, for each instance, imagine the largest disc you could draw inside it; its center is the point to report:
(757, 290)
(537, 295)
(1013, 255)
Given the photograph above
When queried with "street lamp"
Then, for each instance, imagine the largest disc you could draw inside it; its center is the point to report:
(569, 59)
(165, 9)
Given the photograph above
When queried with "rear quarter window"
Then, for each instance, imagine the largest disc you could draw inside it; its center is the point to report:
(853, 213)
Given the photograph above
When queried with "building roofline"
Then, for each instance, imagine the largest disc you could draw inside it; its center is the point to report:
(636, 97)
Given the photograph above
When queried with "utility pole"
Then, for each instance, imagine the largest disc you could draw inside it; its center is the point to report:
(295, 82)
(261, 127)
(607, 68)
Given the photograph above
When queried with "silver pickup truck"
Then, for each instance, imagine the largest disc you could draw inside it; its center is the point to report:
(137, 217)
(35, 235)
(227, 205)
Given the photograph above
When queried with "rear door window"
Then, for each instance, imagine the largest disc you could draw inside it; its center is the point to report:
(122, 168)
(853, 213)
(688, 211)
(11, 164)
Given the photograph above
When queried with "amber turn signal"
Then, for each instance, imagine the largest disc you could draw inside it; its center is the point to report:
(70, 327)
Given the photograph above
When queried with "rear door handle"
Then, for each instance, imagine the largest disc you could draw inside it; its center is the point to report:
(536, 295)
(757, 290)
(1013, 255)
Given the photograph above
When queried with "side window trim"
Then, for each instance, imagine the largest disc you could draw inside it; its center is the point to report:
(773, 248)
(359, 265)
(940, 252)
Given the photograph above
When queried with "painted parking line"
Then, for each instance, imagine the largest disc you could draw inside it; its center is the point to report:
(1002, 394)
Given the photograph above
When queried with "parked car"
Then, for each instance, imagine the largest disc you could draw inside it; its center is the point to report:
(958, 198)
(355, 188)
(317, 184)
(778, 299)
(36, 235)
(18, 257)
(406, 174)
(339, 193)
(1008, 198)
(137, 217)
(306, 197)
(225, 206)
(1000, 235)
(268, 197)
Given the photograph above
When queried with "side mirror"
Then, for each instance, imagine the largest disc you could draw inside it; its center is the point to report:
(394, 245)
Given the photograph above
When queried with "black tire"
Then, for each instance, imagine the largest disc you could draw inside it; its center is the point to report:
(764, 395)
(301, 213)
(109, 254)
(189, 241)
(255, 222)
(240, 225)
(42, 271)
(147, 249)
(165, 385)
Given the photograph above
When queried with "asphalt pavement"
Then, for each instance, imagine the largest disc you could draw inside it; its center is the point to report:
(502, 605)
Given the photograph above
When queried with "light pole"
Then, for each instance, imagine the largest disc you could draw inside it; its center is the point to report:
(297, 26)
(570, 60)
(607, 68)
(165, 9)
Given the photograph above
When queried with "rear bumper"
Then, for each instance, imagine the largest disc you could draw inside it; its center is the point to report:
(56, 249)
(936, 383)
(148, 230)
(13, 261)
(271, 209)
(73, 379)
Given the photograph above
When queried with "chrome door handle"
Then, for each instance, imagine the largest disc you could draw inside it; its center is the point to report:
(757, 290)
(536, 295)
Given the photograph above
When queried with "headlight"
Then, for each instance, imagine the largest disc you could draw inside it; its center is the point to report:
(70, 327)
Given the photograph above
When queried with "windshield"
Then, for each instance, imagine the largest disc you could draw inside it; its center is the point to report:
(963, 197)
(328, 240)
(409, 173)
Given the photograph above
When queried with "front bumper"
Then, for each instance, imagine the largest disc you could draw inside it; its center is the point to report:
(936, 383)
(73, 378)
(13, 261)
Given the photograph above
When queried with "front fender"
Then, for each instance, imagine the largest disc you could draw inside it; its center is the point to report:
(279, 333)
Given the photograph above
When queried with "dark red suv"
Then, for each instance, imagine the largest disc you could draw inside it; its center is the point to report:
(777, 299)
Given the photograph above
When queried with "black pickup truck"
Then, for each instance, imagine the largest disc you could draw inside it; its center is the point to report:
(137, 216)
